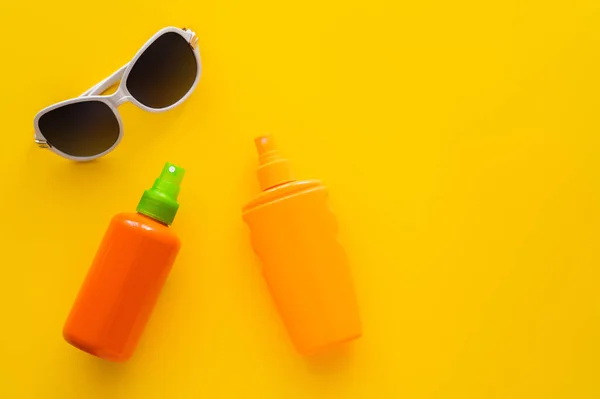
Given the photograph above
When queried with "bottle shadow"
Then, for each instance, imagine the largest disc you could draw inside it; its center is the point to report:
(336, 360)
(105, 371)
(101, 378)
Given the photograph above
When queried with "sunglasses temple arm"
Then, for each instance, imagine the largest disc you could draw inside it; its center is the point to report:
(106, 83)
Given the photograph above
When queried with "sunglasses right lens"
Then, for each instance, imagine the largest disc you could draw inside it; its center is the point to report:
(82, 129)
(164, 73)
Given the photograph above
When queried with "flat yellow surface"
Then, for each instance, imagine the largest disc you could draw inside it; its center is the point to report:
(460, 140)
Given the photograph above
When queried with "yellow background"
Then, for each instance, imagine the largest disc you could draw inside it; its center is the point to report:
(460, 140)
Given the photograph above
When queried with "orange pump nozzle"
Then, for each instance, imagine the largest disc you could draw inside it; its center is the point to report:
(273, 169)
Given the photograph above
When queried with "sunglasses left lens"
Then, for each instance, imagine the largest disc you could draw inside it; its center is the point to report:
(82, 129)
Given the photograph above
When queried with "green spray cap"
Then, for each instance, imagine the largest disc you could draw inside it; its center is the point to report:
(160, 202)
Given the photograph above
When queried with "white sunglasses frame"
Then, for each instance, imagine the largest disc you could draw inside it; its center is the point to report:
(121, 96)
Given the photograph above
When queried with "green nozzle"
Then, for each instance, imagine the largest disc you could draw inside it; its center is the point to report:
(160, 202)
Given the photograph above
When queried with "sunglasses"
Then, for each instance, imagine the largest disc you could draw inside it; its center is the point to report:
(161, 76)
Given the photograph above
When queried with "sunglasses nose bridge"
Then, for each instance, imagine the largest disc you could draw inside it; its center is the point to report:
(119, 97)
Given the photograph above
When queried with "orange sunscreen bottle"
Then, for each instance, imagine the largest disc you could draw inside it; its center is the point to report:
(127, 275)
(294, 234)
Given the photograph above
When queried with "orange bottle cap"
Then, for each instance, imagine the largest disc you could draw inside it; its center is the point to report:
(273, 169)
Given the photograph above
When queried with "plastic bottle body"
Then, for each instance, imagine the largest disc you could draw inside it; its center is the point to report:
(305, 267)
(122, 287)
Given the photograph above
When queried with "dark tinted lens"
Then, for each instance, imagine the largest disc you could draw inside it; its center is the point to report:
(164, 73)
(81, 129)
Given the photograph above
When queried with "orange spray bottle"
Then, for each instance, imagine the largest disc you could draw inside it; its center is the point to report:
(306, 269)
(127, 274)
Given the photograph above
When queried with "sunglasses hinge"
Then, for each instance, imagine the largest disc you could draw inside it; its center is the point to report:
(194, 41)
(42, 143)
